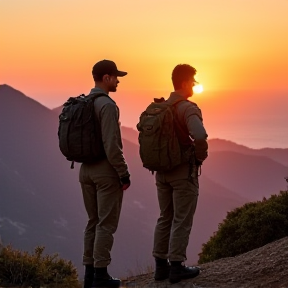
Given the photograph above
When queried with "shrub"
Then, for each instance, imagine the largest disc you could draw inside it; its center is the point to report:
(19, 268)
(248, 227)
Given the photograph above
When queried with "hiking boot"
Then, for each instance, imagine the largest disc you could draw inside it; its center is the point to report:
(179, 272)
(105, 283)
(104, 280)
(162, 269)
(88, 276)
(162, 273)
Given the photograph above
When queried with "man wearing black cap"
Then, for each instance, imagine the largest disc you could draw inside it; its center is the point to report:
(103, 182)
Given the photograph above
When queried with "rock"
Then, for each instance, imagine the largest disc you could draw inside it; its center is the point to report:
(266, 267)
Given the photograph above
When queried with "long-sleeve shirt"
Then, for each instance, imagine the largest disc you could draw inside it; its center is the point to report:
(107, 112)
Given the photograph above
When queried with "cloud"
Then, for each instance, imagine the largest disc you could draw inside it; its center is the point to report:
(21, 227)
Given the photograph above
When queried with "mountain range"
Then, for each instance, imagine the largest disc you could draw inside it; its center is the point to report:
(41, 201)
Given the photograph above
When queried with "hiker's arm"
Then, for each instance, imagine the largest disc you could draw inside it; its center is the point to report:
(196, 128)
(198, 133)
(112, 142)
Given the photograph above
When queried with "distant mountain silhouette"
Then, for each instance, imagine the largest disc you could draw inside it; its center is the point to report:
(41, 201)
(253, 177)
(277, 154)
(57, 110)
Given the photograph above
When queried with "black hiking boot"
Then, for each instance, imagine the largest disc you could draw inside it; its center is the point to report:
(162, 269)
(103, 280)
(88, 276)
(180, 272)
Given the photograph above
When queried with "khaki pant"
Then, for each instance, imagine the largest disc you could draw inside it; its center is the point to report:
(102, 194)
(177, 196)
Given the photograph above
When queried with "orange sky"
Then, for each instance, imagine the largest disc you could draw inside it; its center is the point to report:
(48, 48)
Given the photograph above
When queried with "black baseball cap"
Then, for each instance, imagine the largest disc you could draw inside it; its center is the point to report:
(107, 67)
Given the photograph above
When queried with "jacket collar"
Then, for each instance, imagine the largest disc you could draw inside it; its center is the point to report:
(99, 90)
(175, 97)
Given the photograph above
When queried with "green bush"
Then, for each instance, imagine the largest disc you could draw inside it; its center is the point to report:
(248, 227)
(19, 268)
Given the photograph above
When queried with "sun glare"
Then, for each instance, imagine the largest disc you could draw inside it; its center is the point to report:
(198, 88)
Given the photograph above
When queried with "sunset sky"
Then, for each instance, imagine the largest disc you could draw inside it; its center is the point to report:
(48, 48)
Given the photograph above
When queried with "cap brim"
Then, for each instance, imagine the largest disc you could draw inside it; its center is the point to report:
(121, 73)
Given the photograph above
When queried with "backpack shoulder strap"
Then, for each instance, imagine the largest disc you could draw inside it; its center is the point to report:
(182, 131)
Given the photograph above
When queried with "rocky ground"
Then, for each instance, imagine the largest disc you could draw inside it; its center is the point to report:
(263, 267)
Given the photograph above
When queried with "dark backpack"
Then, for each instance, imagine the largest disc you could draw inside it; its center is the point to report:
(79, 131)
(160, 148)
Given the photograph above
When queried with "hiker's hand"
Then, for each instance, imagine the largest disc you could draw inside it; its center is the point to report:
(198, 162)
(201, 151)
(125, 186)
(125, 182)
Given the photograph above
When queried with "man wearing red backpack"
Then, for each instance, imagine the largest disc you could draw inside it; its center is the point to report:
(178, 188)
(103, 181)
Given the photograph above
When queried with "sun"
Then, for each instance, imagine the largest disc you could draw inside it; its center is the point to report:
(198, 88)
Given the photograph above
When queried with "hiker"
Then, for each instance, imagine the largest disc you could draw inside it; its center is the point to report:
(103, 181)
(176, 171)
